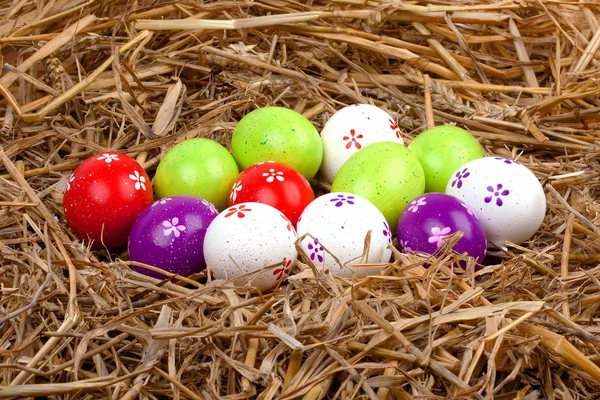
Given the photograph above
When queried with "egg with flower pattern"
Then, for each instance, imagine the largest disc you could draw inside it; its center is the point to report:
(170, 235)
(275, 184)
(335, 228)
(349, 130)
(104, 196)
(430, 220)
(506, 196)
(252, 244)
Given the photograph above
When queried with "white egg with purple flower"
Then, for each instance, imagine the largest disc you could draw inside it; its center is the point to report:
(336, 227)
(507, 197)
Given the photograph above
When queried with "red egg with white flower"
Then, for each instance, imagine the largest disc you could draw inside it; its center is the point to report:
(275, 184)
(104, 196)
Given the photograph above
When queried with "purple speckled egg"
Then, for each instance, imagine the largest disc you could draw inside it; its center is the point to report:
(429, 219)
(170, 235)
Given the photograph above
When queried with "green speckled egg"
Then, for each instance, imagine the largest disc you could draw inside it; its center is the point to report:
(441, 151)
(385, 173)
(278, 134)
(197, 167)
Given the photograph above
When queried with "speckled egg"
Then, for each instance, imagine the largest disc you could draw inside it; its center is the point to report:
(352, 128)
(441, 151)
(170, 235)
(278, 134)
(252, 243)
(507, 197)
(338, 224)
(430, 219)
(198, 167)
(385, 173)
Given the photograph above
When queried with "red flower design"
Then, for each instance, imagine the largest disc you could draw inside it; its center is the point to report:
(284, 269)
(353, 138)
(239, 210)
(395, 127)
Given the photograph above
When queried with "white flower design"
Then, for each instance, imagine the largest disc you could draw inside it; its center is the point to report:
(163, 201)
(469, 210)
(71, 179)
(263, 162)
(272, 175)
(415, 204)
(109, 157)
(139, 180)
(437, 235)
(234, 190)
(173, 227)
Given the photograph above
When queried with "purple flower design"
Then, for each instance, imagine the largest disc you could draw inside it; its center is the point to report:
(386, 232)
(497, 194)
(460, 175)
(316, 250)
(415, 204)
(340, 199)
(437, 235)
(506, 160)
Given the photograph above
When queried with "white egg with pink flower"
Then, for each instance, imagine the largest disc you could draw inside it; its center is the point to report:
(352, 128)
(335, 227)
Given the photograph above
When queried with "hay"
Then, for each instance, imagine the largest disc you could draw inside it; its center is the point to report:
(81, 77)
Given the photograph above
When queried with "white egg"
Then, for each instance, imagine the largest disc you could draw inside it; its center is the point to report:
(246, 241)
(506, 196)
(338, 223)
(352, 128)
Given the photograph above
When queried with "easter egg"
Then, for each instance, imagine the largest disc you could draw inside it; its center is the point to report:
(352, 128)
(506, 196)
(429, 219)
(198, 167)
(277, 134)
(385, 173)
(104, 196)
(338, 224)
(275, 184)
(441, 151)
(251, 243)
(170, 235)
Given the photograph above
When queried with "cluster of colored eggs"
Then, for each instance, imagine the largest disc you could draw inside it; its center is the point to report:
(246, 226)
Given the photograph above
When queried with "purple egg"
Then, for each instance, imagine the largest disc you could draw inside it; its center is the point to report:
(426, 222)
(170, 235)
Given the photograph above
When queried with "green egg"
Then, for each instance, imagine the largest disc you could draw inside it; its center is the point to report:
(441, 151)
(278, 134)
(385, 173)
(198, 167)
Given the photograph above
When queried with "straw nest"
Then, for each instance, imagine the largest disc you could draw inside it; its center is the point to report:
(81, 77)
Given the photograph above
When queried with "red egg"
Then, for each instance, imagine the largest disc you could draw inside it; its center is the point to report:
(104, 196)
(275, 184)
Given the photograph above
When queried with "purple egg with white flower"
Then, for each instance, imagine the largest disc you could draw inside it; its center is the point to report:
(170, 235)
(338, 224)
(428, 221)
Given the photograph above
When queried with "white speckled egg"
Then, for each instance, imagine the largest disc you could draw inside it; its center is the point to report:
(338, 223)
(506, 196)
(352, 128)
(247, 241)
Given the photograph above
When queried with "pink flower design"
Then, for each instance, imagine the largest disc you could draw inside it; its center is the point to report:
(353, 139)
(415, 204)
(404, 246)
(173, 227)
(437, 235)
(469, 210)
(239, 210)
